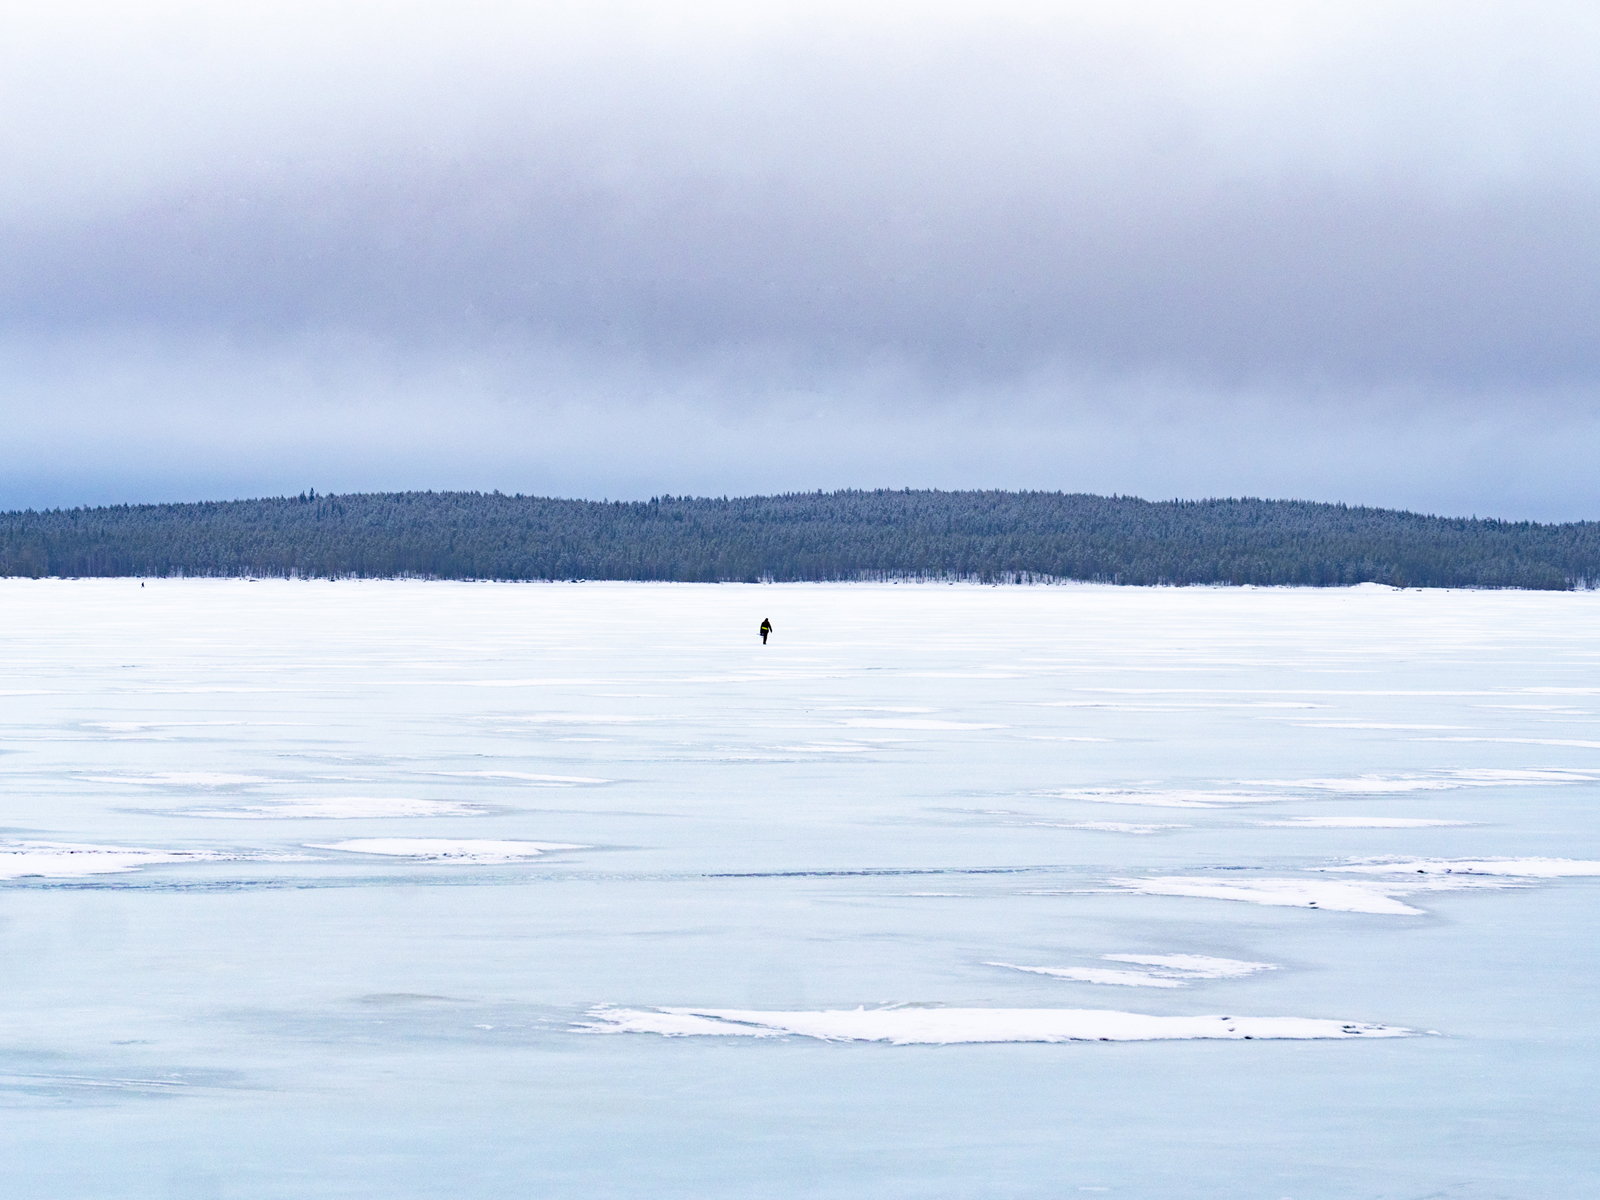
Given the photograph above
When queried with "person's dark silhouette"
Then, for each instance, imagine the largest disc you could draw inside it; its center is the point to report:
(766, 628)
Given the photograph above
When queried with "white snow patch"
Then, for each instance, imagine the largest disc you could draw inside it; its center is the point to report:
(1100, 975)
(1196, 966)
(955, 1026)
(1525, 868)
(448, 850)
(1340, 896)
(525, 777)
(875, 708)
(1167, 798)
(896, 723)
(1366, 784)
(1294, 893)
(1435, 780)
(1106, 826)
(1358, 823)
(207, 779)
(65, 860)
(827, 748)
(1380, 725)
(576, 719)
(342, 808)
(1161, 970)
(1520, 741)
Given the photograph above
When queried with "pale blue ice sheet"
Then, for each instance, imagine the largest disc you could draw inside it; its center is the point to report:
(355, 1025)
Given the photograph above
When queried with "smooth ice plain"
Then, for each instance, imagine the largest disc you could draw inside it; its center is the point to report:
(407, 889)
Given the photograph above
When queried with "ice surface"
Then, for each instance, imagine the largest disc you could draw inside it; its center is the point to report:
(344, 808)
(1107, 826)
(1361, 823)
(1529, 868)
(1196, 966)
(205, 779)
(57, 860)
(197, 1003)
(525, 777)
(448, 850)
(952, 1026)
(908, 723)
(64, 860)
(1435, 781)
(1160, 970)
(1164, 798)
(1298, 893)
(1104, 975)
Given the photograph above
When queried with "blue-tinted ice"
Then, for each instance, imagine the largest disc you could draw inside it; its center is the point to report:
(433, 889)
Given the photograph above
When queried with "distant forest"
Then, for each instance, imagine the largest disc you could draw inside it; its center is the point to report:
(850, 535)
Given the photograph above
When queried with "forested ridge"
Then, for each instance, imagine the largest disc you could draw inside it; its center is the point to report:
(990, 536)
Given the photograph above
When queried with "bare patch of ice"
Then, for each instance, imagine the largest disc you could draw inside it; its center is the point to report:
(956, 1026)
(448, 850)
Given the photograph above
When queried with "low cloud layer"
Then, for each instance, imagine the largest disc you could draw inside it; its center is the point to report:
(1341, 253)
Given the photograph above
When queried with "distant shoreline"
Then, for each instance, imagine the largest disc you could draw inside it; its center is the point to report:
(977, 536)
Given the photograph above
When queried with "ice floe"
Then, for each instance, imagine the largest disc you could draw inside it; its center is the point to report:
(341, 808)
(954, 1026)
(1158, 970)
(448, 849)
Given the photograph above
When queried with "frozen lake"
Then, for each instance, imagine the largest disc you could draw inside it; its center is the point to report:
(437, 890)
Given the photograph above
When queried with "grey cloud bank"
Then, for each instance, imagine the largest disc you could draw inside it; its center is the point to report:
(1341, 255)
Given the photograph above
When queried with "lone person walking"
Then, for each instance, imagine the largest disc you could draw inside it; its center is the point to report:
(766, 628)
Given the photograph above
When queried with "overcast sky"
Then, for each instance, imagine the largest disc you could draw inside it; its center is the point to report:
(1335, 251)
